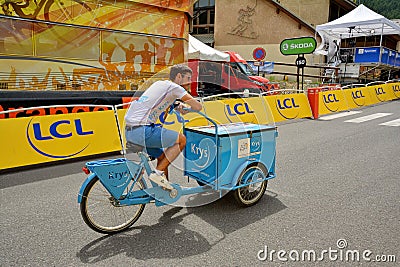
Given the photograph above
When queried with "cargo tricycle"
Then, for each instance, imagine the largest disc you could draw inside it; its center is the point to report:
(235, 157)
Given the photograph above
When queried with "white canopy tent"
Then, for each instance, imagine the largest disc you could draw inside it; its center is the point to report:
(361, 21)
(201, 51)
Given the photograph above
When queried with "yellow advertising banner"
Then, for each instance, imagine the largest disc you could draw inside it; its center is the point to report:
(358, 97)
(39, 139)
(380, 93)
(289, 107)
(332, 101)
(121, 122)
(395, 88)
(171, 121)
(390, 93)
(251, 109)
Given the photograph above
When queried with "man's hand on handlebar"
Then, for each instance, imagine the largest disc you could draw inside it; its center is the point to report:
(182, 108)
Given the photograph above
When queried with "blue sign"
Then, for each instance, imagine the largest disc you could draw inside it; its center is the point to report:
(371, 55)
(367, 55)
(266, 67)
(385, 56)
(392, 57)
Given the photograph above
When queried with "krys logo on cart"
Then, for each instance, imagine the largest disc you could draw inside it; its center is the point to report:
(58, 139)
(249, 147)
(287, 107)
(202, 154)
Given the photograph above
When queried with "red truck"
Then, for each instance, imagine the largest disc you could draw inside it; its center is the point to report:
(238, 62)
(212, 77)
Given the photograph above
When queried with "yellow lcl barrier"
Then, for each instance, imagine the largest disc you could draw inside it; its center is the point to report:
(39, 139)
(33, 140)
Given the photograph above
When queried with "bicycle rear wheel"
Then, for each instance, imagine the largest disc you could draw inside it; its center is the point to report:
(249, 195)
(101, 211)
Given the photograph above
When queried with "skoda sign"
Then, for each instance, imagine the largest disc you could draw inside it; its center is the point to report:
(297, 46)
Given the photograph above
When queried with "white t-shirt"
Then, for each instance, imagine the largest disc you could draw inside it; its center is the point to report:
(153, 102)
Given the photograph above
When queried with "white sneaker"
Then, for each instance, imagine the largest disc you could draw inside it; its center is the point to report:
(160, 180)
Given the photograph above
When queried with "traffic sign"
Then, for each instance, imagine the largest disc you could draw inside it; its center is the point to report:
(259, 53)
(301, 62)
(297, 46)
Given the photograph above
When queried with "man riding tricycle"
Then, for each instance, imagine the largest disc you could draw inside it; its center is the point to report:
(228, 146)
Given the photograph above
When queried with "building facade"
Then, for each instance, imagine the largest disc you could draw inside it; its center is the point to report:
(242, 26)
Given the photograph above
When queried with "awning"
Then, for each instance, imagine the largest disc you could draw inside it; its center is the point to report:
(361, 21)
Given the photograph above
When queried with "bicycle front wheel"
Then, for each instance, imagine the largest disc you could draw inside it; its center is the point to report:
(101, 211)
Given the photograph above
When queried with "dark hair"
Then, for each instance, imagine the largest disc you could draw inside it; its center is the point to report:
(179, 68)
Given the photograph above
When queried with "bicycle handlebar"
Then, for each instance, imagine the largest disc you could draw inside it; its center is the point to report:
(198, 112)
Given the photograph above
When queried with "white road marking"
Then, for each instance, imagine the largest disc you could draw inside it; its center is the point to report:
(391, 123)
(339, 115)
(369, 117)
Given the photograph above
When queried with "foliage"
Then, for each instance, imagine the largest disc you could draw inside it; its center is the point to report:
(388, 8)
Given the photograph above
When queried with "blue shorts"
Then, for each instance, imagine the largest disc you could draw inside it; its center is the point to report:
(154, 138)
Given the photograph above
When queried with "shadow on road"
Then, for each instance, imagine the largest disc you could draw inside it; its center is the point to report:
(170, 239)
(50, 170)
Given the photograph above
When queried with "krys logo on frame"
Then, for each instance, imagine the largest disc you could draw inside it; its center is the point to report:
(58, 139)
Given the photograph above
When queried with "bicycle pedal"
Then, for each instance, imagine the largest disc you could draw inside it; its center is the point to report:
(167, 188)
(173, 193)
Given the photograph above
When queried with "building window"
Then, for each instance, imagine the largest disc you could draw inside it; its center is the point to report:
(203, 19)
(204, 3)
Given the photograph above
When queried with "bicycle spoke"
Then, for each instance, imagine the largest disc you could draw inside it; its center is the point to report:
(103, 213)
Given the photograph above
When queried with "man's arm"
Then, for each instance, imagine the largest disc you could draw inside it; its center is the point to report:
(193, 103)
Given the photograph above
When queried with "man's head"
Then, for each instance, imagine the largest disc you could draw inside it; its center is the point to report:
(180, 74)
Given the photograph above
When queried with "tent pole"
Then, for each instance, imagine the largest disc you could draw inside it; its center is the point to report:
(380, 44)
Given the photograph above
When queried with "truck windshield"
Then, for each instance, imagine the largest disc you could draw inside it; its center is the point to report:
(245, 68)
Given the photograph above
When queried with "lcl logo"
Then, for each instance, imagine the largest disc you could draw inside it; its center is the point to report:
(239, 109)
(330, 98)
(45, 136)
(396, 90)
(163, 119)
(287, 107)
(380, 93)
(331, 102)
(287, 103)
(358, 98)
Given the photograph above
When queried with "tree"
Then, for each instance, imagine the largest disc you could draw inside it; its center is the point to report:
(387, 8)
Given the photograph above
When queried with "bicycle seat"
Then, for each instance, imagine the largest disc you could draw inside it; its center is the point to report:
(134, 148)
